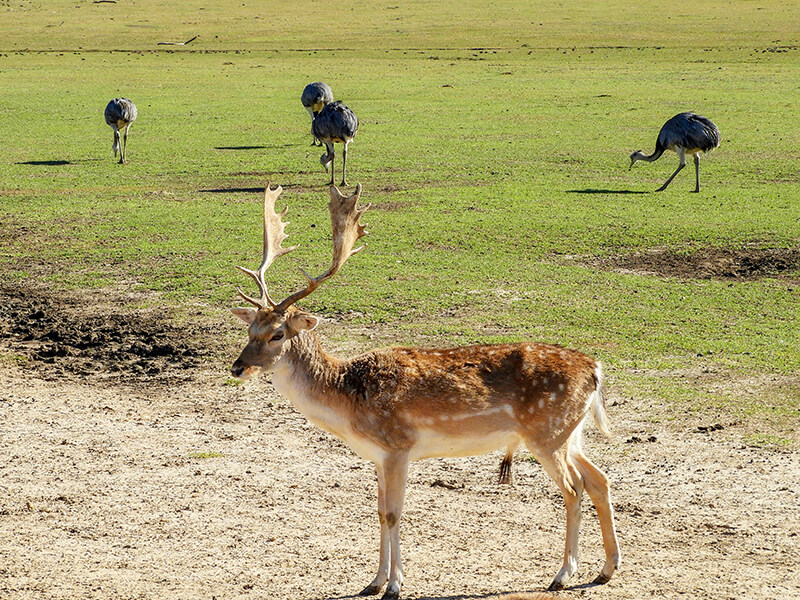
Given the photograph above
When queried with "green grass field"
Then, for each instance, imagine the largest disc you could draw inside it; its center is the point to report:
(493, 145)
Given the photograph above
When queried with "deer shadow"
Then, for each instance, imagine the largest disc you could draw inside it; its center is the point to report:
(534, 594)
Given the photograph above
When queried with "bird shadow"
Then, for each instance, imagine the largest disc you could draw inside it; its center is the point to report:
(601, 191)
(44, 163)
(240, 147)
(254, 147)
(233, 190)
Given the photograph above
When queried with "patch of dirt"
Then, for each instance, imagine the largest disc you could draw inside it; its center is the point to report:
(88, 336)
(710, 263)
(206, 489)
(211, 490)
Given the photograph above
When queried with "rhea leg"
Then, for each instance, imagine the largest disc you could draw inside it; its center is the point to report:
(344, 164)
(313, 114)
(115, 145)
(697, 172)
(122, 158)
(597, 487)
(331, 156)
(678, 170)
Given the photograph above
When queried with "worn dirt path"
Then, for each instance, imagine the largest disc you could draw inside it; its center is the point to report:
(200, 490)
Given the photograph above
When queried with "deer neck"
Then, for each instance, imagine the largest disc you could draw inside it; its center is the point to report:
(308, 376)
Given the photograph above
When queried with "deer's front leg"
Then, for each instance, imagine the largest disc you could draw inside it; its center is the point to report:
(385, 553)
(392, 491)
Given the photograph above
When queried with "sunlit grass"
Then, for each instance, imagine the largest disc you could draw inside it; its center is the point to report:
(494, 148)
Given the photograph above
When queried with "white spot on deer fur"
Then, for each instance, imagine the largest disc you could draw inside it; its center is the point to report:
(531, 409)
(541, 403)
(561, 386)
(552, 396)
(544, 381)
(485, 413)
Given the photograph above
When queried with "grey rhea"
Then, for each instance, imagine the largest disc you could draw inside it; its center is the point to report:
(685, 133)
(315, 96)
(120, 114)
(335, 123)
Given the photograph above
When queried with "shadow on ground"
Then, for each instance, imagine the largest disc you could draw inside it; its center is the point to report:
(599, 191)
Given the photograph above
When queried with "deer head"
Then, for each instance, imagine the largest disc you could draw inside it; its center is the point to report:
(273, 324)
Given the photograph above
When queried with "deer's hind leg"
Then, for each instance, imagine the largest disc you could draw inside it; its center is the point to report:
(568, 478)
(598, 489)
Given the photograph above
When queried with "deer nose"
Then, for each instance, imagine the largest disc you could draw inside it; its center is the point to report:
(237, 370)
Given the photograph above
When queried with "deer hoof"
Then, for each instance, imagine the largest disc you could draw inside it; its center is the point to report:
(601, 579)
(370, 590)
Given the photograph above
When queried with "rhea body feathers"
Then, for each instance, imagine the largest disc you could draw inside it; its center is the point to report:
(685, 134)
(335, 123)
(120, 114)
(314, 98)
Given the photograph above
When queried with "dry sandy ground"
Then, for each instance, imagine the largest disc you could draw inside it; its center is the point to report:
(201, 490)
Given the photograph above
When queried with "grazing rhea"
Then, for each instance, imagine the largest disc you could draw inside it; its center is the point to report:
(686, 133)
(396, 405)
(315, 96)
(335, 123)
(120, 115)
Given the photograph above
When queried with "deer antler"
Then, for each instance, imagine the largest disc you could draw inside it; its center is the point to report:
(273, 238)
(346, 232)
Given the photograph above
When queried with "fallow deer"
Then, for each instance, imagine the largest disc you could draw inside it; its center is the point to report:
(395, 405)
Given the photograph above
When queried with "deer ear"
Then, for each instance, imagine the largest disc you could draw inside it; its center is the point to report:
(303, 321)
(248, 315)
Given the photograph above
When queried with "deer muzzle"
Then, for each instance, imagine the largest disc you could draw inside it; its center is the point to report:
(240, 370)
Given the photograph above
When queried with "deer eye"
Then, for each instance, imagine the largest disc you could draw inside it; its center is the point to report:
(277, 337)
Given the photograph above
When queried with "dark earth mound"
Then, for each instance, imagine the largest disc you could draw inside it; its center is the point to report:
(712, 263)
(60, 335)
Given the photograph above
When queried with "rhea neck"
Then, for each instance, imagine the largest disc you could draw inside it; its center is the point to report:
(639, 155)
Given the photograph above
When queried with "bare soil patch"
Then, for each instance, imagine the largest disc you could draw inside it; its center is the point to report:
(184, 486)
(710, 263)
(86, 335)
